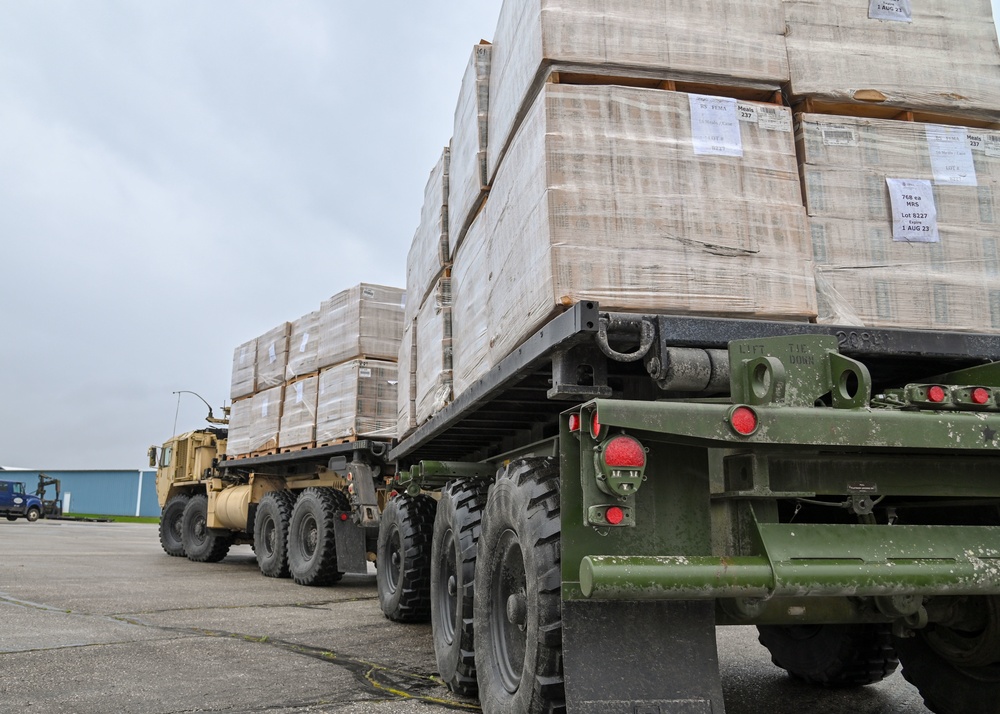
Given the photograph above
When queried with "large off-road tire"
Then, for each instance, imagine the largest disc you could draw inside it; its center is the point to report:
(957, 671)
(171, 518)
(518, 620)
(832, 655)
(403, 557)
(312, 545)
(33, 515)
(270, 533)
(201, 543)
(453, 572)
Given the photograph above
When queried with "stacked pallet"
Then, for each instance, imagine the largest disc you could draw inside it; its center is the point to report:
(898, 164)
(327, 377)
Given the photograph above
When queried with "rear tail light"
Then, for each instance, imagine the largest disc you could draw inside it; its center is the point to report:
(595, 426)
(743, 420)
(936, 394)
(624, 452)
(614, 515)
(574, 422)
(980, 396)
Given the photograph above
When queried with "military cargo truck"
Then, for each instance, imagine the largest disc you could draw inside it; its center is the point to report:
(577, 524)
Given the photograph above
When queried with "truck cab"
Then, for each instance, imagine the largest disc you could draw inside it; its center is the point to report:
(16, 503)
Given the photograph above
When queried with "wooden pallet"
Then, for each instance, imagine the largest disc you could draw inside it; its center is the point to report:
(768, 94)
(877, 110)
(337, 442)
(302, 377)
(237, 457)
(297, 447)
(264, 452)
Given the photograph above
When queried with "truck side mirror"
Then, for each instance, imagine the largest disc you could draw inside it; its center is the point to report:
(152, 456)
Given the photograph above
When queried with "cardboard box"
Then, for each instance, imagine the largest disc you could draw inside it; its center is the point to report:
(303, 346)
(298, 413)
(272, 357)
(244, 370)
(429, 252)
(714, 41)
(434, 352)
(468, 180)
(363, 321)
(614, 194)
(265, 419)
(357, 399)
(240, 420)
(406, 394)
(944, 59)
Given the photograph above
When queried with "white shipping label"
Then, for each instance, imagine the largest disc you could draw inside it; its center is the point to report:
(977, 142)
(365, 372)
(774, 119)
(715, 126)
(840, 135)
(298, 392)
(914, 215)
(272, 354)
(894, 10)
(951, 155)
(305, 341)
(263, 408)
(747, 112)
(993, 145)
(367, 292)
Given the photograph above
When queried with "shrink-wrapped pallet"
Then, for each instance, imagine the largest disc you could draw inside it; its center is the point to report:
(303, 346)
(265, 419)
(298, 413)
(642, 200)
(714, 41)
(470, 317)
(406, 393)
(357, 399)
(240, 420)
(434, 352)
(244, 370)
(363, 321)
(272, 357)
(871, 269)
(429, 252)
(468, 179)
(941, 55)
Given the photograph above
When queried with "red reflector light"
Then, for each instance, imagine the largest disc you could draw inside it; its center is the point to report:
(744, 420)
(935, 394)
(595, 426)
(344, 516)
(625, 452)
(574, 422)
(614, 515)
(980, 395)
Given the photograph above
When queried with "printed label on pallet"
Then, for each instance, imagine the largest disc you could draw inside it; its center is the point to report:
(914, 213)
(839, 135)
(774, 119)
(715, 126)
(951, 155)
(993, 145)
(893, 10)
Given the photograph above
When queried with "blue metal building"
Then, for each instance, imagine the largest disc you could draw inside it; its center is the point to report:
(106, 493)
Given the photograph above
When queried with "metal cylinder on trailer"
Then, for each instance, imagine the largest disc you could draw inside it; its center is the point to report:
(231, 507)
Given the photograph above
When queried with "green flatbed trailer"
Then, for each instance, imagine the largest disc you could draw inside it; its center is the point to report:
(622, 484)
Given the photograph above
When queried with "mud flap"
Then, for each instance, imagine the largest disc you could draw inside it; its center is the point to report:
(641, 658)
(351, 551)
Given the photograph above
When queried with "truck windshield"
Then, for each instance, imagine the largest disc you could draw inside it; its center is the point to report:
(166, 454)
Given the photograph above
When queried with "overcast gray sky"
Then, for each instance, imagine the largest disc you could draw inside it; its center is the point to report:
(177, 177)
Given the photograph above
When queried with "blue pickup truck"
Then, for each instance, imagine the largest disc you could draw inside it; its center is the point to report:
(16, 503)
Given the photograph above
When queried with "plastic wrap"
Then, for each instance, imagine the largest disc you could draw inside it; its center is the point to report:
(240, 419)
(715, 41)
(434, 352)
(468, 178)
(406, 394)
(265, 419)
(363, 321)
(603, 197)
(298, 414)
(868, 275)
(945, 59)
(469, 316)
(303, 346)
(272, 357)
(244, 370)
(429, 252)
(357, 399)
